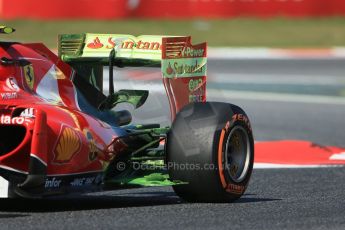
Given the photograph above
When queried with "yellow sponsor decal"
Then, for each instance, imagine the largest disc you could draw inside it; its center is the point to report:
(67, 146)
(93, 154)
(29, 75)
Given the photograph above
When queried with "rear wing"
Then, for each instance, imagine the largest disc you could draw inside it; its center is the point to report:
(183, 65)
(143, 50)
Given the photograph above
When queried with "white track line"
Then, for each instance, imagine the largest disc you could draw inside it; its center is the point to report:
(272, 53)
(283, 79)
(338, 156)
(242, 95)
(291, 166)
(275, 97)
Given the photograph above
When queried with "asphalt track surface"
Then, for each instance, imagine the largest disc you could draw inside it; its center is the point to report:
(310, 198)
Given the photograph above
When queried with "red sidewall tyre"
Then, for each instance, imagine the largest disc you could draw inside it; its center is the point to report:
(210, 134)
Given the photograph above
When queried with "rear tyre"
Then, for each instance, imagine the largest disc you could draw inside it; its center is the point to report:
(210, 147)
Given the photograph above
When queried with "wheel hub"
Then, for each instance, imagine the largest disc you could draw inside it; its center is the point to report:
(237, 154)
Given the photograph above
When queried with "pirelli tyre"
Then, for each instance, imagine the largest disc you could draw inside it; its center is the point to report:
(210, 150)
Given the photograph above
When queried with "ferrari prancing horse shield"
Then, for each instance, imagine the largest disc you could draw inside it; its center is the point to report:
(29, 75)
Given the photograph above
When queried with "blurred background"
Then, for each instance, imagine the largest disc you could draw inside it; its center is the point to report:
(269, 23)
(283, 61)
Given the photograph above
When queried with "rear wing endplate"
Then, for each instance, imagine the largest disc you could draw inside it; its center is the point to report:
(183, 65)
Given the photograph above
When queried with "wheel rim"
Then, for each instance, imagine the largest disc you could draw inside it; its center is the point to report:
(237, 154)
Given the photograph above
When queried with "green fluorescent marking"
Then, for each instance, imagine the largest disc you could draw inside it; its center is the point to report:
(6, 30)
(154, 179)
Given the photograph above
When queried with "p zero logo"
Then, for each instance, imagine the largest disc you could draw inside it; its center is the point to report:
(29, 75)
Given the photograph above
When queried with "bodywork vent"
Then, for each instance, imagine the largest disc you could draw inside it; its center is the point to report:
(70, 44)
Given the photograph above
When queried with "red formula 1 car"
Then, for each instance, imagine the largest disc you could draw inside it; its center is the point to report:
(60, 134)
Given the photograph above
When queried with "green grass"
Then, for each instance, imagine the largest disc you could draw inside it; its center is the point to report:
(278, 32)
